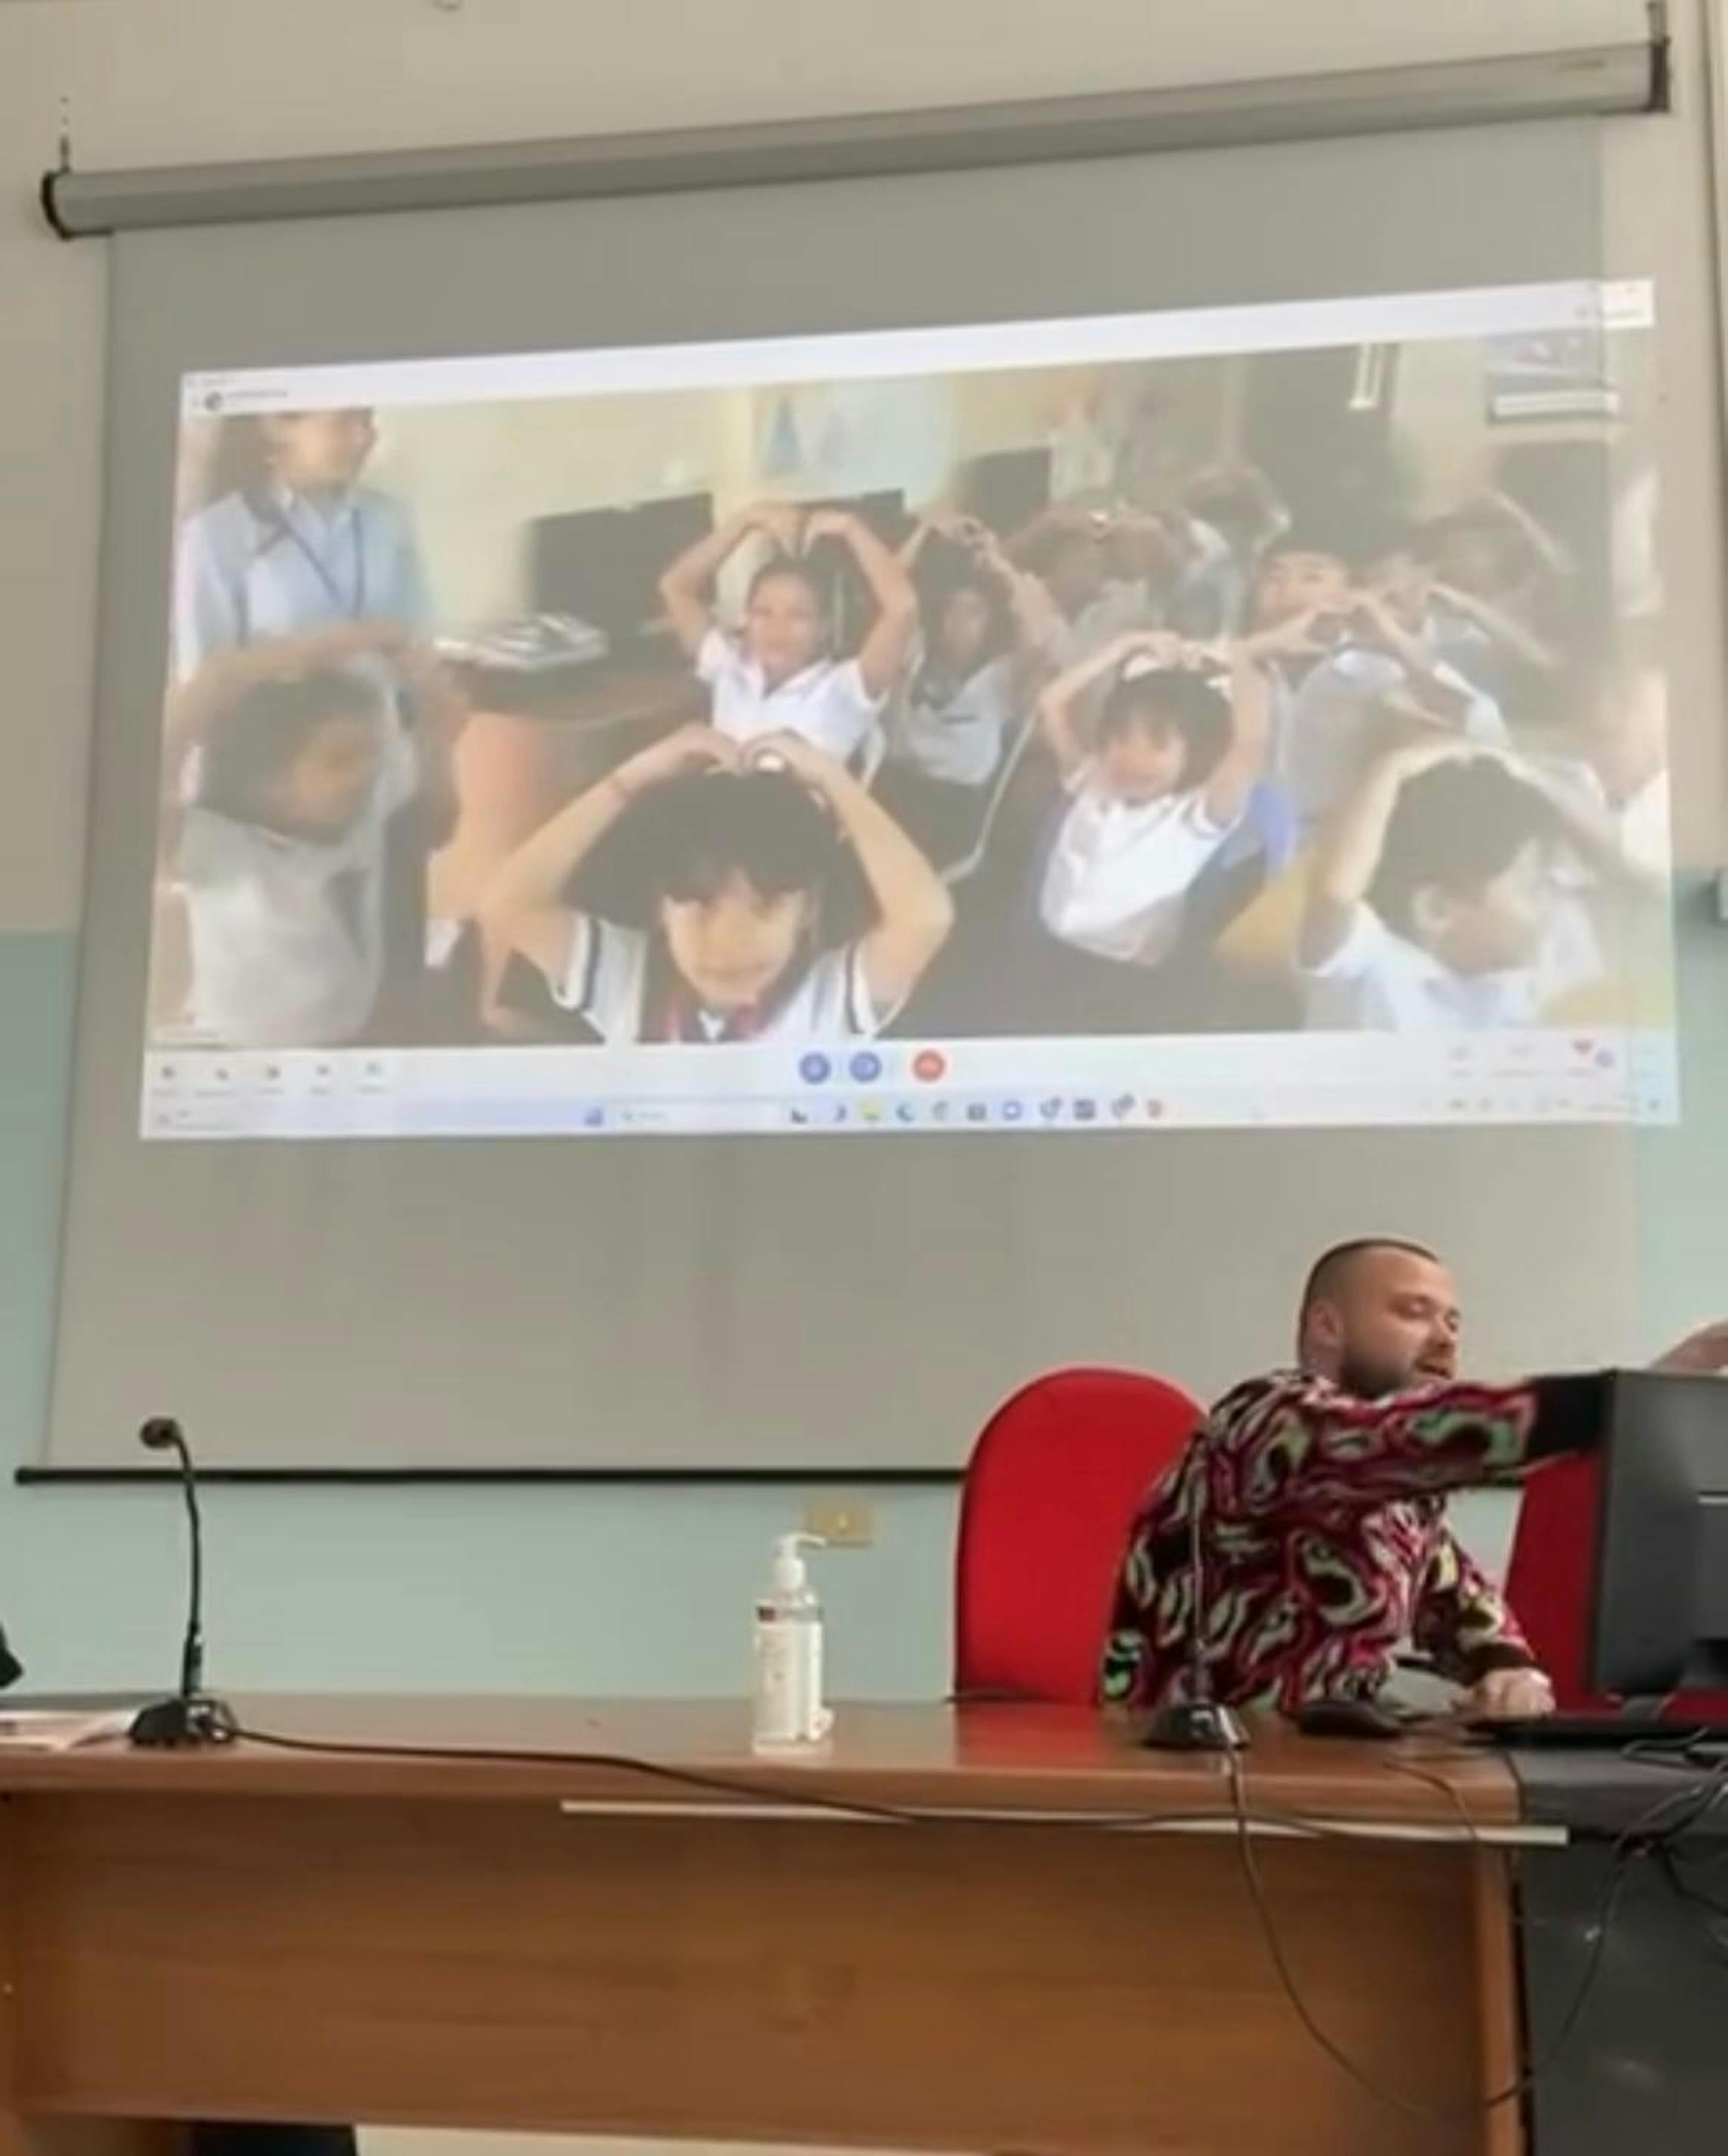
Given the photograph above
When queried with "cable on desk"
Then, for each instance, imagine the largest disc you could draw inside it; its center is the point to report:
(749, 1791)
(1242, 1818)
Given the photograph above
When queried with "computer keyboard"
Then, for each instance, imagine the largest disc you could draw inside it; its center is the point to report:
(1600, 1732)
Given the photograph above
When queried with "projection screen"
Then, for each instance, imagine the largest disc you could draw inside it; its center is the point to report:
(1006, 737)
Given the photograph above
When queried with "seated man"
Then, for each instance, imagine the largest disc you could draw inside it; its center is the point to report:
(1315, 1499)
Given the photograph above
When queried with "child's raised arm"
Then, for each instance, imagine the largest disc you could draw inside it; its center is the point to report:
(1500, 628)
(913, 911)
(1244, 762)
(1344, 868)
(1587, 828)
(1037, 623)
(524, 908)
(883, 652)
(440, 711)
(685, 587)
(1059, 706)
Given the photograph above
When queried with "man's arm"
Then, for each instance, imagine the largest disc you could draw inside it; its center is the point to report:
(1297, 1444)
(1462, 1619)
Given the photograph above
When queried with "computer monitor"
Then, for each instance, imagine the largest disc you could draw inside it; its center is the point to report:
(604, 565)
(1660, 1619)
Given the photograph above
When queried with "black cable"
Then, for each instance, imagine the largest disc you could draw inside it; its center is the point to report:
(1711, 1915)
(1240, 1816)
(650, 1770)
(1395, 2099)
(764, 1793)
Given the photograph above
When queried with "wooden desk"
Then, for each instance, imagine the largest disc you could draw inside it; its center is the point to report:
(1060, 1957)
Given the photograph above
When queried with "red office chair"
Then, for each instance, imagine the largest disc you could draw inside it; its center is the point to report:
(1052, 1490)
(1548, 1586)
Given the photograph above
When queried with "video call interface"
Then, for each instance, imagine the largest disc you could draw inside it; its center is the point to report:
(1253, 716)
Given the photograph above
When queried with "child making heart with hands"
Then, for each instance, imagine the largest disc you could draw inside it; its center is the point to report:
(741, 844)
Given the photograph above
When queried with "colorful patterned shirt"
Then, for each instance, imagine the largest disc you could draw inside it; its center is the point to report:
(1323, 1539)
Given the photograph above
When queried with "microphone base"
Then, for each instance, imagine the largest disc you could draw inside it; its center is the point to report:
(1195, 1725)
(183, 1723)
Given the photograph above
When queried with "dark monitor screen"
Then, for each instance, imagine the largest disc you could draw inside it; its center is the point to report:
(1005, 487)
(604, 565)
(1660, 1621)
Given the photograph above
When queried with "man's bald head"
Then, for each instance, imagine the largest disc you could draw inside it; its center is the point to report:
(1379, 1315)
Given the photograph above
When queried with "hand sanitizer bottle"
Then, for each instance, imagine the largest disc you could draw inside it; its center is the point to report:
(790, 1713)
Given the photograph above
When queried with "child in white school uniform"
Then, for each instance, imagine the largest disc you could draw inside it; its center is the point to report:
(1384, 682)
(987, 638)
(1618, 759)
(779, 671)
(1106, 571)
(1154, 796)
(1446, 898)
(741, 846)
(279, 860)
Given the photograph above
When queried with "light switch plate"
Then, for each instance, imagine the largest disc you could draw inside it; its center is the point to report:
(842, 1523)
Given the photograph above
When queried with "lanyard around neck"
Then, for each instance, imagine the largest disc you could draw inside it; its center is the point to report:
(279, 525)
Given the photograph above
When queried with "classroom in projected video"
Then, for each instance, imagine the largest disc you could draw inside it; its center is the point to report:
(1253, 716)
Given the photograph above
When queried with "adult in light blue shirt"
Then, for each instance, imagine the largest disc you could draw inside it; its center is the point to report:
(298, 545)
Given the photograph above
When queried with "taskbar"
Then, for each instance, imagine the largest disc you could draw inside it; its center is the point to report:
(1200, 1083)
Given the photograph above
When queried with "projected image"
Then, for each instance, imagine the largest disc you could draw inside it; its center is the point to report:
(1251, 717)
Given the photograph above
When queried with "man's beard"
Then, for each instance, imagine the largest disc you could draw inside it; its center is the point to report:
(1368, 1380)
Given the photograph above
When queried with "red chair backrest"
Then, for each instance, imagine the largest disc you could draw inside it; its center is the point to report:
(1548, 1585)
(1050, 1492)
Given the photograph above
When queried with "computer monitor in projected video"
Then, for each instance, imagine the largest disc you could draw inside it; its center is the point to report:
(1252, 716)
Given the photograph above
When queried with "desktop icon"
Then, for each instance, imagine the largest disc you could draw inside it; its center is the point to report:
(594, 1119)
(870, 1112)
(1012, 1110)
(866, 1066)
(977, 1112)
(905, 1112)
(929, 1064)
(813, 1068)
(1050, 1108)
(1085, 1110)
(1123, 1106)
(1155, 1109)
(940, 1111)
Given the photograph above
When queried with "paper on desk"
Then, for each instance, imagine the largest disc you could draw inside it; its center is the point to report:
(43, 1731)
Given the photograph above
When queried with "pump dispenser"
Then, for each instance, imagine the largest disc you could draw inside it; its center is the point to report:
(790, 1713)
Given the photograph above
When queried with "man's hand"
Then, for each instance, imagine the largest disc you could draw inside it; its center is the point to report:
(1701, 1354)
(1511, 1694)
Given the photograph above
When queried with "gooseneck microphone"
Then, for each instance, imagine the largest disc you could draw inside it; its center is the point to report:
(188, 1717)
(1197, 1724)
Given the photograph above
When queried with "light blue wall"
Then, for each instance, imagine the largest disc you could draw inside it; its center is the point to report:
(562, 1587)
